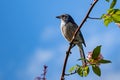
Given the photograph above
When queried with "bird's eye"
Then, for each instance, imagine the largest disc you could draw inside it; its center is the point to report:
(64, 16)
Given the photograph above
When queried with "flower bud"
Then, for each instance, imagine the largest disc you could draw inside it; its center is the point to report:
(94, 61)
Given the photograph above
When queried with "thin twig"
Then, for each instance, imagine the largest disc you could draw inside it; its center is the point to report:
(71, 73)
(43, 75)
(94, 18)
(70, 47)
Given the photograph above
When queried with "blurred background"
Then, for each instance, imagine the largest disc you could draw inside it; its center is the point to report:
(30, 37)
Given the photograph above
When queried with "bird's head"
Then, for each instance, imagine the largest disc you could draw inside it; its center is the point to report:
(66, 18)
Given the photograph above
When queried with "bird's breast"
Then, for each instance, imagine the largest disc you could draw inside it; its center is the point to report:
(67, 32)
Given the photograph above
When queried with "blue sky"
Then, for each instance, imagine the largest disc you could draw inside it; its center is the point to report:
(30, 37)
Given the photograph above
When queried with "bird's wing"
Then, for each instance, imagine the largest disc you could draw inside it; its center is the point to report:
(72, 29)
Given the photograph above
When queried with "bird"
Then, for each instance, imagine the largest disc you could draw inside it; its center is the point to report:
(68, 28)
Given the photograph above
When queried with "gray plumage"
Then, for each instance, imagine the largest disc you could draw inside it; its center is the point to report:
(68, 27)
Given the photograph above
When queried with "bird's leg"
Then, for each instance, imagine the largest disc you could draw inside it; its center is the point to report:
(73, 45)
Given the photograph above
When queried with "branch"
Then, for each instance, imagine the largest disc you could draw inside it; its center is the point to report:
(65, 61)
(70, 47)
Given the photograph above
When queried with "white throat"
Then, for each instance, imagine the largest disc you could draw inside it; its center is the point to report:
(62, 27)
(62, 23)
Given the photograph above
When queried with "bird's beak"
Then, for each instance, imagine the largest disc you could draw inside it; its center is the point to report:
(58, 17)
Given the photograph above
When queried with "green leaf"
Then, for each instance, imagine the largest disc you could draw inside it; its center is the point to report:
(83, 71)
(116, 16)
(113, 4)
(80, 71)
(110, 11)
(103, 16)
(107, 21)
(113, 15)
(104, 61)
(117, 11)
(86, 71)
(96, 70)
(81, 59)
(73, 69)
(96, 52)
(108, 0)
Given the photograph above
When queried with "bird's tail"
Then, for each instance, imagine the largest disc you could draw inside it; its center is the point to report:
(82, 54)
